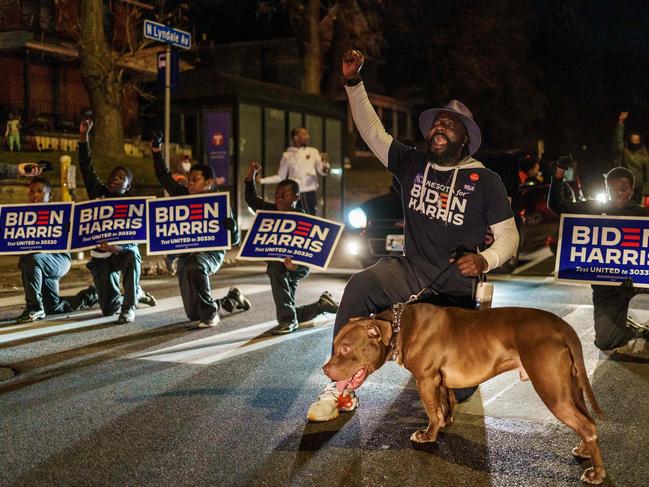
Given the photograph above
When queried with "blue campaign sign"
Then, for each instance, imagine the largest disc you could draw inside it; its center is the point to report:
(168, 35)
(603, 249)
(181, 224)
(114, 220)
(306, 239)
(35, 227)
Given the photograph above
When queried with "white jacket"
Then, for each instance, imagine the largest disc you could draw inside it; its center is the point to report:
(302, 165)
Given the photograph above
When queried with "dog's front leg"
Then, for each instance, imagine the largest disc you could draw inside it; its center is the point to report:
(429, 391)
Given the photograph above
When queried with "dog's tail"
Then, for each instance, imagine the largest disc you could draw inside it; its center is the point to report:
(579, 368)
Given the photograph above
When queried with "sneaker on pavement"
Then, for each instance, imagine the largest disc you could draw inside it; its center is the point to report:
(327, 303)
(235, 300)
(330, 402)
(29, 316)
(209, 323)
(285, 328)
(89, 297)
(636, 347)
(148, 298)
(126, 316)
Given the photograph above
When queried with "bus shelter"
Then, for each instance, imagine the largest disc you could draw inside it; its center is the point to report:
(230, 121)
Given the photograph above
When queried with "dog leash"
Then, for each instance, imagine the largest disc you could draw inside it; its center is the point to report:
(398, 308)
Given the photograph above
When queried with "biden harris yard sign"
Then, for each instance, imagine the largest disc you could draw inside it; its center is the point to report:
(40, 227)
(181, 224)
(603, 250)
(306, 239)
(114, 220)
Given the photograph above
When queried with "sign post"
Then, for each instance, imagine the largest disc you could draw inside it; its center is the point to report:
(171, 37)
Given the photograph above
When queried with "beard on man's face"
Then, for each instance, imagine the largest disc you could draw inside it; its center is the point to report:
(633, 147)
(448, 155)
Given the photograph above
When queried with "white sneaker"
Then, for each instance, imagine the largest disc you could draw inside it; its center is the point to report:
(636, 347)
(209, 323)
(330, 402)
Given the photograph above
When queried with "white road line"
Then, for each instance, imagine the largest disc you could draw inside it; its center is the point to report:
(537, 257)
(215, 348)
(13, 333)
(262, 268)
(70, 291)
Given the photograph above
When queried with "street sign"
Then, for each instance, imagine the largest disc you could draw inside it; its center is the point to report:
(168, 35)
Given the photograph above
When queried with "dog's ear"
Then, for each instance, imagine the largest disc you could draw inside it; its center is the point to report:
(380, 329)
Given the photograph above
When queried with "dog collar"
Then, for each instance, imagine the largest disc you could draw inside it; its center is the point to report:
(397, 309)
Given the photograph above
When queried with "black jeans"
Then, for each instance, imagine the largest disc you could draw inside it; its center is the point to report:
(194, 271)
(106, 273)
(283, 284)
(40, 275)
(610, 310)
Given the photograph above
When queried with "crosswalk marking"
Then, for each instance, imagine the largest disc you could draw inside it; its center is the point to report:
(14, 333)
(17, 299)
(209, 350)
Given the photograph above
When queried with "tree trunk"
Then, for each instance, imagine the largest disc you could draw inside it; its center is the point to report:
(312, 58)
(102, 79)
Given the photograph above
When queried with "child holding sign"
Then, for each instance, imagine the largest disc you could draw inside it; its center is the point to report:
(109, 261)
(285, 276)
(41, 273)
(194, 269)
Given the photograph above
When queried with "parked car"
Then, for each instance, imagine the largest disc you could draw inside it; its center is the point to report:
(376, 226)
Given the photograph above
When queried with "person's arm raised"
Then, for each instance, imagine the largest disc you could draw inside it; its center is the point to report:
(367, 121)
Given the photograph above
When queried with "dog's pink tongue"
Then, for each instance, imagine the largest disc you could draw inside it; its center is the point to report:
(341, 385)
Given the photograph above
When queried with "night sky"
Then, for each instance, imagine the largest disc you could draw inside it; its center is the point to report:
(579, 63)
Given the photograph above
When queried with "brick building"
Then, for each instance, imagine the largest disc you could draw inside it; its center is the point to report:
(41, 75)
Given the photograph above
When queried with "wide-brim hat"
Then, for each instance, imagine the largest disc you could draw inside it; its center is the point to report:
(458, 109)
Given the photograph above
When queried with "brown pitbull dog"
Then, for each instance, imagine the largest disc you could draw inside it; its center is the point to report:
(447, 348)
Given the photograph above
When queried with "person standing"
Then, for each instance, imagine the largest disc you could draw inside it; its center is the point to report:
(285, 276)
(302, 164)
(610, 303)
(634, 156)
(41, 273)
(195, 268)
(12, 132)
(449, 199)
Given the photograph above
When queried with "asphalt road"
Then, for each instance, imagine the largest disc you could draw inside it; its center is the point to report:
(162, 403)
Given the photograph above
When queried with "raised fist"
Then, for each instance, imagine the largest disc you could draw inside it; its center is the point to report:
(253, 168)
(352, 63)
(85, 126)
(622, 117)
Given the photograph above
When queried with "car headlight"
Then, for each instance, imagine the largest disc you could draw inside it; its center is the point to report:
(353, 246)
(601, 197)
(357, 218)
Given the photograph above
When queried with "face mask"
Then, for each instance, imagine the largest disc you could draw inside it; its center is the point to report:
(186, 166)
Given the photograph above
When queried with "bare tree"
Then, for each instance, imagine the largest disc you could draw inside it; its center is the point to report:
(103, 78)
(326, 29)
(112, 56)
